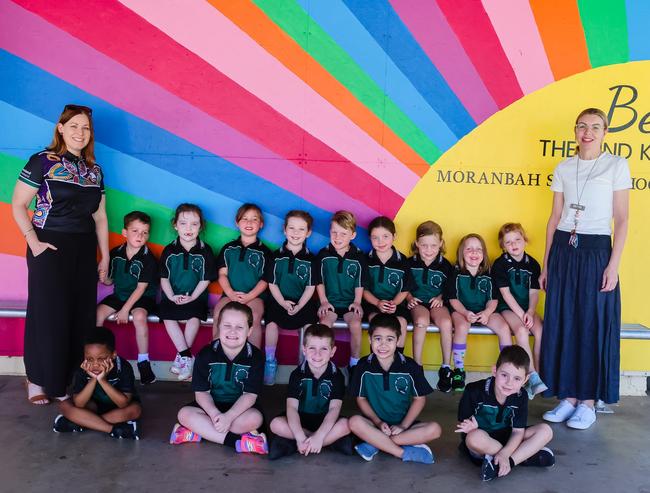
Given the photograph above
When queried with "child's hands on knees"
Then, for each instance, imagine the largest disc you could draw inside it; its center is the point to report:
(289, 306)
(385, 428)
(503, 461)
(467, 425)
(435, 302)
(241, 297)
(471, 317)
(528, 319)
(222, 422)
(324, 308)
(413, 302)
(386, 306)
(482, 317)
(396, 430)
(355, 308)
(122, 316)
(303, 444)
(315, 444)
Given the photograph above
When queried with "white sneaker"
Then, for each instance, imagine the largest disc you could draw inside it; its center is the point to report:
(560, 413)
(185, 371)
(176, 365)
(583, 418)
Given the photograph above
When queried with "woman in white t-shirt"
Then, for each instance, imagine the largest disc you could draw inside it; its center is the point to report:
(580, 355)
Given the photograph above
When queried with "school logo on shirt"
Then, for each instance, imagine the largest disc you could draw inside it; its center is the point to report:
(197, 264)
(393, 279)
(302, 271)
(241, 374)
(401, 385)
(135, 269)
(325, 389)
(435, 281)
(254, 259)
(484, 285)
(352, 270)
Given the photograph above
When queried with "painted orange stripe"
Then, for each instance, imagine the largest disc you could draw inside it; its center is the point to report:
(561, 31)
(273, 39)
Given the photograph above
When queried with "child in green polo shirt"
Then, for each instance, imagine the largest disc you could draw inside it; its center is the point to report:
(133, 271)
(226, 381)
(492, 418)
(314, 399)
(241, 264)
(341, 273)
(391, 392)
(291, 284)
(472, 297)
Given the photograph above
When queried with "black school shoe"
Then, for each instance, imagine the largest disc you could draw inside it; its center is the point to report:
(129, 429)
(444, 379)
(458, 380)
(147, 375)
(281, 447)
(343, 445)
(489, 470)
(64, 425)
(543, 458)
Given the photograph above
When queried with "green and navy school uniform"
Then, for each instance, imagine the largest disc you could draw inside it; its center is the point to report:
(341, 275)
(387, 280)
(479, 400)
(292, 274)
(121, 377)
(185, 269)
(474, 292)
(430, 280)
(315, 394)
(245, 264)
(520, 277)
(227, 379)
(126, 273)
(389, 393)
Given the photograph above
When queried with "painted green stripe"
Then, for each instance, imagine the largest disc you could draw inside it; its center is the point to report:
(605, 26)
(118, 204)
(308, 34)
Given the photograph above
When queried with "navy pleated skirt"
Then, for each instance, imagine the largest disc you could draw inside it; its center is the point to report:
(580, 355)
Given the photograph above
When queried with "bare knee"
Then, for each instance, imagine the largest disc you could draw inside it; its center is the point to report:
(432, 431)
(356, 423)
(185, 414)
(474, 439)
(139, 317)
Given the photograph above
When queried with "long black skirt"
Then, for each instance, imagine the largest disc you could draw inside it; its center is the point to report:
(580, 354)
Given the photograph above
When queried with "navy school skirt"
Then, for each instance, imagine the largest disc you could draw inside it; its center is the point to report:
(580, 355)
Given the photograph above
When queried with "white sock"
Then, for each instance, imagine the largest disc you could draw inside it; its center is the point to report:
(143, 357)
(353, 361)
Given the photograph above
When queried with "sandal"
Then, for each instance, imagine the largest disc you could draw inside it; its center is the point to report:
(38, 399)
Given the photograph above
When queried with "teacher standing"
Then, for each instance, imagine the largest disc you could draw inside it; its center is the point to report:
(68, 224)
(580, 354)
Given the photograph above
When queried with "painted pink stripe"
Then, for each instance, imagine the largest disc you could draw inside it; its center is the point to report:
(430, 28)
(14, 275)
(515, 26)
(218, 41)
(33, 39)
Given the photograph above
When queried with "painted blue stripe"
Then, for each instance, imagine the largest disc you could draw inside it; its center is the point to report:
(638, 17)
(383, 23)
(28, 87)
(346, 30)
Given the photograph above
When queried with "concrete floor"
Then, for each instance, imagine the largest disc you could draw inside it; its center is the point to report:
(614, 456)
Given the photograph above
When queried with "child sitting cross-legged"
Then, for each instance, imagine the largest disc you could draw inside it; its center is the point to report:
(492, 417)
(103, 392)
(314, 399)
(391, 392)
(226, 379)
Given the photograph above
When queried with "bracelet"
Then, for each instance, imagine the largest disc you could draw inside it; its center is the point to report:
(27, 232)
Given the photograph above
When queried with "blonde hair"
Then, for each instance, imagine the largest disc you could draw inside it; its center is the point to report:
(511, 228)
(594, 111)
(425, 229)
(484, 267)
(345, 219)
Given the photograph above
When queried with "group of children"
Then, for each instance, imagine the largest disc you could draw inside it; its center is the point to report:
(384, 286)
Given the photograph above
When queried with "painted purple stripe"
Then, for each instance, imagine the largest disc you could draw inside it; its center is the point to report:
(33, 39)
(430, 28)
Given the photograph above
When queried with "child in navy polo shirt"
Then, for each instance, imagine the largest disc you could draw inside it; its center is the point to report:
(227, 379)
(492, 417)
(314, 399)
(391, 392)
(133, 271)
(103, 392)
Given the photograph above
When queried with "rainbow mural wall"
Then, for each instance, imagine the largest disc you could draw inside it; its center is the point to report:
(376, 106)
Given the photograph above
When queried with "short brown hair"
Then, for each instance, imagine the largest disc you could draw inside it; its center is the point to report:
(244, 208)
(57, 146)
(382, 222)
(385, 321)
(236, 306)
(136, 216)
(515, 355)
(304, 215)
(511, 228)
(425, 229)
(346, 220)
(189, 208)
(484, 267)
(319, 330)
